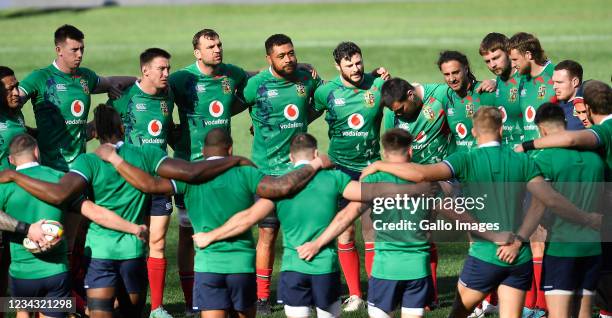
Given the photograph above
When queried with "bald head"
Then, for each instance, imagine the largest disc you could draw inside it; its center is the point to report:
(218, 142)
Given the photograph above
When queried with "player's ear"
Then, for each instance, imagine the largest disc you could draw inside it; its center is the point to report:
(36, 153)
(528, 55)
(316, 153)
(57, 49)
(575, 82)
(291, 159)
(383, 154)
(474, 132)
(12, 161)
(410, 153)
(230, 150)
(197, 54)
(337, 67)
(269, 59)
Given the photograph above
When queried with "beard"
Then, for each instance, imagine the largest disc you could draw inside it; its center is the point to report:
(352, 82)
(284, 73)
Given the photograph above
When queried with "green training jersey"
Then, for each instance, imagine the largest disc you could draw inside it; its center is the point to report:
(279, 110)
(498, 176)
(210, 205)
(147, 119)
(204, 102)
(394, 249)
(61, 105)
(507, 100)
(459, 113)
(11, 125)
(303, 221)
(578, 176)
(24, 207)
(534, 92)
(430, 129)
(603, 131)
(354, 116)
(109, 190)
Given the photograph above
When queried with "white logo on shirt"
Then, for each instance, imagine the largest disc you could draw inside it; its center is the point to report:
(141, 107)
(272, 93)
(61, 87)
(339, 102)
(200, 88)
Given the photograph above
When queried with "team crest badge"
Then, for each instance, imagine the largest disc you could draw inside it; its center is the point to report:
(513, 95)
(429, 113)
(164, 107)
(469, 110)
(84, 85)
(369, 99)
(301, 90)
(225, 84)
(541, 91)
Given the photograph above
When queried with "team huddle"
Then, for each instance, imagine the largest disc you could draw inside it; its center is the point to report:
(536, 126)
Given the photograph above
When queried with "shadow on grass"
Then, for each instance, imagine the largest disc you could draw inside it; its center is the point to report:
(32, 12)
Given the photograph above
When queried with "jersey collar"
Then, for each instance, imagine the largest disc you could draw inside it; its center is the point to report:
(301, 163)
(490, 144)
(214, 157)
(27, 165)
(606, 118)
(118, 144)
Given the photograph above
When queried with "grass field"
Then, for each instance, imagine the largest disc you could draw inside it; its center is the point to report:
(405, 37)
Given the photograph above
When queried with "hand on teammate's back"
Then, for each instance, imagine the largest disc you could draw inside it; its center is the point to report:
(508, 253)
(382, 73)
(245, 162)
(307, 251)
(106, 152)
(37, 235)
(142, 233)
(325, 162)
(595, 220)
(308, 68)
(372, 168)
(519, 148)
(202, 239)
(487, 86)
(6, 175)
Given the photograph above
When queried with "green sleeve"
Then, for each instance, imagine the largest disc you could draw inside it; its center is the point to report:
(603, 134)
(378, 83)
(84, 166)
(458, 163)
(154, 156)
(250, 90)
(251, 177)
(437, 91)
(543, 161)
(388, 119)
(181, 187)
(241, 80)
(92, 78)
(31, 84)
(320, 98)
(5, 192)
(342, 180)
(531, 169)
(487, 99)
(120, 104)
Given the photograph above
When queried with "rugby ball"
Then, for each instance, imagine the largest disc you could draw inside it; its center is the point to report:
(54, 232)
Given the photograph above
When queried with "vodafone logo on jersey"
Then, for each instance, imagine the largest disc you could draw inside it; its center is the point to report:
(461, 130)
(421, 137)
(154, 127)
(215, 108)
(77, 108)
(356, 121)
(530, 114)
(503, 112)
(291, 112)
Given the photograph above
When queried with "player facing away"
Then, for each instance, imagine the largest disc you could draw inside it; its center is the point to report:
(530, 61)
(354, 116)
(207, 94)
(598, 100)
(508, 268)
(146, 110)
(572, 256)
(494, 52)
(462, 98)
(280, 100)
(32, 275)
(567, 82)
(221, 288)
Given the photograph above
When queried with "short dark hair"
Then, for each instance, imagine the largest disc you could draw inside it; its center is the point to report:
(21, 143)
(345, 50)
(550, 113)
(107, 122)
(524, 42)
(151, 53)
(492, 42)
(67, 31)
(218, 137)
(276, 40)
(572, 67)
(394, 90)
(6, 71)
(302, 142)
(396, 139)
(598, 96)
(207, 33)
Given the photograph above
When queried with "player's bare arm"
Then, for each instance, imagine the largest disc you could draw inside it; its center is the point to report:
(109, 219)
(365, 192)
(560, 205)
(237, 224)
(33, 231)
(411, 171)
(292, 182)
(113, 85)
(70, 186)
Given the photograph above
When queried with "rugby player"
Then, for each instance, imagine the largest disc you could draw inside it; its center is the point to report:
(567, 82)
(354, 116)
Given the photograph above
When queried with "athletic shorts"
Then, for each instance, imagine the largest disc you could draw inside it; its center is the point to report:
(53, 286)
(486, 277)
(161, 205)
(212, 291)
(387, 295)
(342, 202)
(570, 273)
(304, 290)
(270, 221)
(179, 201)
(103, 273)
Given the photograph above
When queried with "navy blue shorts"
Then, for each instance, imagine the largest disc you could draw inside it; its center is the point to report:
(103, 273)
(300, 290)
(161, 205)
(53, 286)
(570, 273)
(270, 221)
(213, 291)
(342, 202)
(485, 277)
(387, 295)
(179, 201)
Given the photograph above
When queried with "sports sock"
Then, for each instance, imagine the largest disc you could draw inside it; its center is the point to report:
(156, 268)
(187, 287)
(433, 264)
(349, 261)
(369, 257)
(263, 282)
